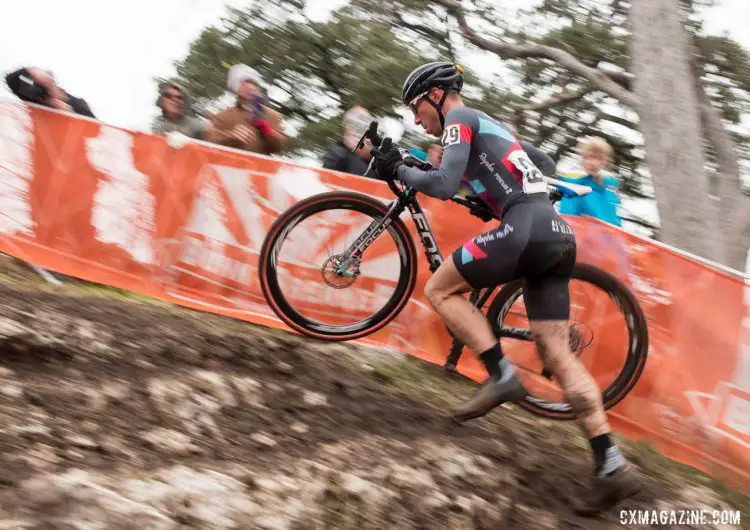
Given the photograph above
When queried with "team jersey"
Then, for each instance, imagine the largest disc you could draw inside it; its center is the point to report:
(483, 158)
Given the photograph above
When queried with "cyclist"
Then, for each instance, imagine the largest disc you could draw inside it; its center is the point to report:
(532, 243)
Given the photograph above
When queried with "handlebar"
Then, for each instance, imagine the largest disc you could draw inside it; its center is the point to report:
(472, 203)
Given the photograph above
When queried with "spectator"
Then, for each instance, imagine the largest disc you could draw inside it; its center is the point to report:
(174, 102)
(602, 202)
(339, 156)
(38, 86)
(250, 124)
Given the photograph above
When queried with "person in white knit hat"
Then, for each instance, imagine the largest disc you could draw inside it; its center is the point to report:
(249, 125)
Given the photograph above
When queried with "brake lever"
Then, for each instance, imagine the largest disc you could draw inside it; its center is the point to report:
(372, 134)
(385, 146)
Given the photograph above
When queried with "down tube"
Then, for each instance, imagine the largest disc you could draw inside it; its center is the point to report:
(431, 250)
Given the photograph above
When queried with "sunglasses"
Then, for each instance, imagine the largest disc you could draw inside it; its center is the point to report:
(414, 103)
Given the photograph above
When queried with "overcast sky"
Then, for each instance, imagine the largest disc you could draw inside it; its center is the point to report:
(110, 52)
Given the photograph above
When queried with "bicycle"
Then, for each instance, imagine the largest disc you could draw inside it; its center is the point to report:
(342, 270)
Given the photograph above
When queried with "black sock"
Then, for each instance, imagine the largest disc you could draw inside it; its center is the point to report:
(600, 444)
(491, 359)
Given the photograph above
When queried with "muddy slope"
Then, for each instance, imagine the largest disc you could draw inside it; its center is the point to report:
(126, 415)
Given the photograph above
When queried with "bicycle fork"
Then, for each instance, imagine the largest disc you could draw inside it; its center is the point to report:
(353, 255)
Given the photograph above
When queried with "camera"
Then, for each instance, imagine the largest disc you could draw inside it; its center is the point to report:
(31, 91)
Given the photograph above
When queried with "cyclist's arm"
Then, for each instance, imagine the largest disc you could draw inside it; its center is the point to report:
(444, 182)
(540, 159)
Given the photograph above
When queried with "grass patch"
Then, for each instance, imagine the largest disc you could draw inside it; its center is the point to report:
(425, 381)
(105, 291)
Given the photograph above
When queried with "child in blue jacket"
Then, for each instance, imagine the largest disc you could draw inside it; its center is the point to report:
(602, 202)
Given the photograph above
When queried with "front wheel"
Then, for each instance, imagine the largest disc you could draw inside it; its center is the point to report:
(315, 286)
(608, 334)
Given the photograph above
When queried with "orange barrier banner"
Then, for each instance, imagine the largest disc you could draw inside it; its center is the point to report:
(186, 225)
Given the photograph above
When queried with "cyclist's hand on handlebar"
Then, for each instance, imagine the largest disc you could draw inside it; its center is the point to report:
(387, 164)
(480, 209)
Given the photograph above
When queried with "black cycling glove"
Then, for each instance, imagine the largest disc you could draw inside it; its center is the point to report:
(480, 209)
(387, 164)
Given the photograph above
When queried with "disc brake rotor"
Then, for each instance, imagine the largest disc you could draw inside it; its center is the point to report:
(339, 274)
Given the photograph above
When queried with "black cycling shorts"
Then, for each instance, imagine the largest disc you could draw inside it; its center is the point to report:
(532, 243)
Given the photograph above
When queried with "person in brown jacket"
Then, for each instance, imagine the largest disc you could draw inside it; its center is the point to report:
(249, 125)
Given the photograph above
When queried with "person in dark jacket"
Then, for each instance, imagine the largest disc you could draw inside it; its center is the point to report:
(35, 85)
(339, 156)
(174, 102)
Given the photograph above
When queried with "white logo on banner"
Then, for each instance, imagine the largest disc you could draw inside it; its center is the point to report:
(123, 212)
(16, 168)
(225, 192)
(726, 412)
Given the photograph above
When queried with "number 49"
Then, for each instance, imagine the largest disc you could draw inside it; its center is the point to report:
(533, 179)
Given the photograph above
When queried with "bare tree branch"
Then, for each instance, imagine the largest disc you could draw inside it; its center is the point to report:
(435, 34)
(620, 121)
(602, 80)
(624, 79)
(559, 99)
(518, 119)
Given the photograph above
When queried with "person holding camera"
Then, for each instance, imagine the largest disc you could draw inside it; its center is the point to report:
(35, 85)
(249, 125)
(176, 116)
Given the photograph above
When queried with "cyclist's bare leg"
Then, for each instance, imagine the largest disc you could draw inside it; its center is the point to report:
(444, 291)
(580, 389)
(614, 479)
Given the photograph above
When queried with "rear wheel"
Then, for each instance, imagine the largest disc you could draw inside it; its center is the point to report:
(319, 291)
(608, 333)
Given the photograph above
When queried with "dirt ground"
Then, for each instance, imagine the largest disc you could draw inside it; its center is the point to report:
(117, 413)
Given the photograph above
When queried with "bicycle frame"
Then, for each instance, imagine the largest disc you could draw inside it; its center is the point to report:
(407, 200)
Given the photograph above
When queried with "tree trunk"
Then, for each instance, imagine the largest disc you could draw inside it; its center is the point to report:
(669, 112)
(735, 207)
